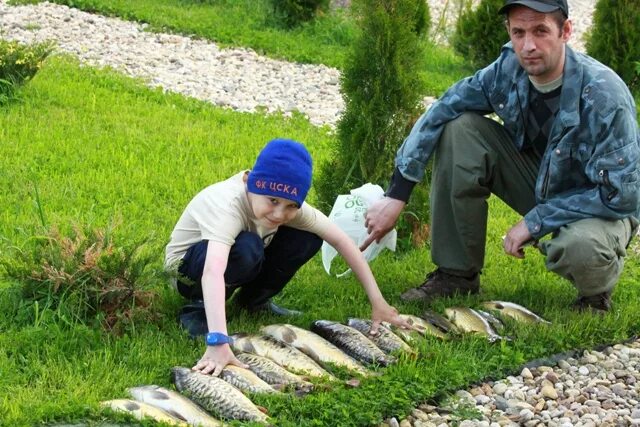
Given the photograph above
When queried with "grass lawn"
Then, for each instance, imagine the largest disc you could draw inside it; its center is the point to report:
(100, 148)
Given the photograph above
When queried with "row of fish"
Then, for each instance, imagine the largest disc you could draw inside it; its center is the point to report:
(285, 356)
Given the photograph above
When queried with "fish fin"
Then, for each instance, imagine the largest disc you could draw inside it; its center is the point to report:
(288, 335)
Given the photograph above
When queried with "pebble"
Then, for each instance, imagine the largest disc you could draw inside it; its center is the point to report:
(236, 78)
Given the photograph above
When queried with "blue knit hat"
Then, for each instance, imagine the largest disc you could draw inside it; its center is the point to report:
(283, 169)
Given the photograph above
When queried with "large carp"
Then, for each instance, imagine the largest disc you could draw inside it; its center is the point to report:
(514, 311)
(283, 354)
(423, 326)
(141, 410)
(351, 341)
(386, 340)
(216, 395)
(245, 380)
(272, 373)
(314, 346)
(470, 321)
(174, 403)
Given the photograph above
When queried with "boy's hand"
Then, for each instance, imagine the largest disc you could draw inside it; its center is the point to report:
(386, 313)
(216, 358)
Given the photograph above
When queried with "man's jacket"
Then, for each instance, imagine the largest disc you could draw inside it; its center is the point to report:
(590, 166)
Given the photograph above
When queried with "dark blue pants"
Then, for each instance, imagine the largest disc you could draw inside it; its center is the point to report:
(258, 272)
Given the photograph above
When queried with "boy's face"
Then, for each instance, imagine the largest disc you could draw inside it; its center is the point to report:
(271, 211)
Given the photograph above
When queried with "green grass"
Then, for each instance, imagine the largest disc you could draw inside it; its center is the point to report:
(100, 147)
(252, 24)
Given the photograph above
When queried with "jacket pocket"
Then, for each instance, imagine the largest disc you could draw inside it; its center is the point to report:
(618, 178)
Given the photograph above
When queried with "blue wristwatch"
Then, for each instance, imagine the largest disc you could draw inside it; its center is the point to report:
(217, 338)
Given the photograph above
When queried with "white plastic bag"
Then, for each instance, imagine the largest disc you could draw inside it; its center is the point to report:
(348, 213)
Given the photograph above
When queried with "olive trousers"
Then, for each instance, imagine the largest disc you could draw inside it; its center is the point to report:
(475, 158)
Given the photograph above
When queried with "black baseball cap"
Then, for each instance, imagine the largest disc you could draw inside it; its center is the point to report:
(544, 6)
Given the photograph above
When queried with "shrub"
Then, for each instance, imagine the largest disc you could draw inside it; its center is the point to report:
(19, 63)
(295, 12)
(480, 32)
(84, 277)
(615, 37)
(382, 93)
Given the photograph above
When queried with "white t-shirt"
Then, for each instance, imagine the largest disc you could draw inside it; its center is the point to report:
(221, 211)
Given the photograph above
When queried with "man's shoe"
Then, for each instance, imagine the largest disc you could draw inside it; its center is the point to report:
(600, 303)
(440, 284)
(272, 308)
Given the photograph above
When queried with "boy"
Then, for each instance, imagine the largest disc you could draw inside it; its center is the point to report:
(252, 232)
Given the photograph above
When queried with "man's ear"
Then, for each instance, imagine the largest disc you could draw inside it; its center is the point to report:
(567, 30)
(245, 177)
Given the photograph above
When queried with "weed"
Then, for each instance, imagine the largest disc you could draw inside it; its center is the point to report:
(84, 276)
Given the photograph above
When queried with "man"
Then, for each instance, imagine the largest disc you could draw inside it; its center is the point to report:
(565, 157)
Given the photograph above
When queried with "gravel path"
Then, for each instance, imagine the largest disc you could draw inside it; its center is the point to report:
(235, 78)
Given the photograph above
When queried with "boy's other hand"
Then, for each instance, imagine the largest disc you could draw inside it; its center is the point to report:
(215, 359)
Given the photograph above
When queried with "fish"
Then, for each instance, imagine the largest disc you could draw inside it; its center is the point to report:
(216, 395)
(245, 380)
(493, 320)
(424, 327)
(174, 403)
(470, 321)
(283, 354)
(141, 410)
(514, 311)
(314, 346)
(439, 321)
(386, 340)
(272, 373)
(352, 341)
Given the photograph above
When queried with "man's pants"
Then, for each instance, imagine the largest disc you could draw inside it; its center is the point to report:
(259, 272)
(476, 157)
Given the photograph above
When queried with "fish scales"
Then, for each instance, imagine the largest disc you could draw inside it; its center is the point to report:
(314, 346)
(470, 321)
(352, 341)
(439, 321)
(283, 354)
(515, 311)
(216, 395)
(245, 380)
(272, 373)
(386, 340)
(423, 326)
(174, 403)
(141, 410)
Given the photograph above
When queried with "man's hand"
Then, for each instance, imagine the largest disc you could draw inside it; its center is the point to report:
(380, 218)
(516, 238)
(386, 313)
(216, 358)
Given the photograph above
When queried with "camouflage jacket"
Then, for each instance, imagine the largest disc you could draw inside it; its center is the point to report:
(591, 165)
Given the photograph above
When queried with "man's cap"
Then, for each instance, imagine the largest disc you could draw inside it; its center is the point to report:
(283, 169)
(544, 6)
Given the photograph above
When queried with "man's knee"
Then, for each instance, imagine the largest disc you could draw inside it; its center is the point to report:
(576, 250)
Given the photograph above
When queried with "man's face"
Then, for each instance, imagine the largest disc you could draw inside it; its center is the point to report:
(272, 212)
(538, 42)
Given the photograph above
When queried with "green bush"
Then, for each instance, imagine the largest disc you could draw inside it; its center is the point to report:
(295, 12)
(382, 92)
(19, 63)
(614, 39)
(480, 32)
(84, 276)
